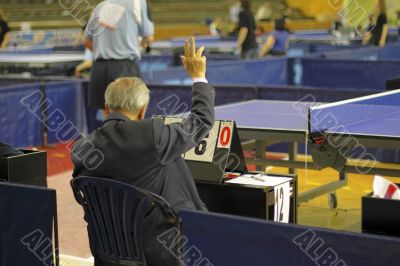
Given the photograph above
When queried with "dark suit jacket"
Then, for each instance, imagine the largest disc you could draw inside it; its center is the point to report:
(147, 154)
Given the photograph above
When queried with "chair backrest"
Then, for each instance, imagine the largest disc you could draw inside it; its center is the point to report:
(115, 212)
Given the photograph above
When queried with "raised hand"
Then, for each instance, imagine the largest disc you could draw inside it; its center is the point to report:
(193, 61)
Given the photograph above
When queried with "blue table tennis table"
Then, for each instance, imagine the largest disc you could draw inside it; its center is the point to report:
(372, 122)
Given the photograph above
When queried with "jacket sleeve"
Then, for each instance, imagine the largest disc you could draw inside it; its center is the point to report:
(175, 139)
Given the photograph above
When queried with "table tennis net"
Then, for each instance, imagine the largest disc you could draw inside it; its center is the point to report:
(349, 116)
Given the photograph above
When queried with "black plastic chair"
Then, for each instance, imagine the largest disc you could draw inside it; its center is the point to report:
(115, 212)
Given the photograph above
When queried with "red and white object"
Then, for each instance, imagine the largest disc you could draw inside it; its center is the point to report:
(383, 188)
(225, 134)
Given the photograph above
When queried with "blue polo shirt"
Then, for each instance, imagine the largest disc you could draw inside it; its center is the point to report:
(115, 28)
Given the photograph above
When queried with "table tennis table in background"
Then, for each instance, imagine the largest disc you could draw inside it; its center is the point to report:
(326, 39)
(213, 44)
(345, 38)
(35, 63)
(271, 122)
(216, 44)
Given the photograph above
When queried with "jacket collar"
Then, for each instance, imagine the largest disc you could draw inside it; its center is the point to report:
(116, 117)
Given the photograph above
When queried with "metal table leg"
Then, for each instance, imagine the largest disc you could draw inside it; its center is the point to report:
(293, 151)
(260, 154)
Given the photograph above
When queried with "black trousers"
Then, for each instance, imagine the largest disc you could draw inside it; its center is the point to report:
(105, 72)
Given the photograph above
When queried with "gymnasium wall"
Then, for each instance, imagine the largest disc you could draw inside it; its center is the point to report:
(324, 10)
(320, 9)
(393, 6)
(368, 6)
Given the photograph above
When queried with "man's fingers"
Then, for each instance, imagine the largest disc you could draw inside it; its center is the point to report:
(193, 61)
(183, 60)
(200, 52)
(186, 48)
(204, 60)
(192, 46)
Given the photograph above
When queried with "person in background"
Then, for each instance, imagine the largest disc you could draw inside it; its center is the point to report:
(87, 59)
(398, 22)
(214, 26)
(264, 12)
(286, 12)
(146, 46)
(371, 23)
(246, 41)
(234, 11)
(4, 31)
(359, 31)
(113, 34)
(277, 42)
(85, 65)
(337, 24)
(377, 35)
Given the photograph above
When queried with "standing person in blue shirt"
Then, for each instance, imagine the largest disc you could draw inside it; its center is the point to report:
(246, 42)
(80, 70)
(87, 59)
(113, 34)
(277, 43)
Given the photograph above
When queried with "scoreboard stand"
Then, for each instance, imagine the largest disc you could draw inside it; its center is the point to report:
(218, 160)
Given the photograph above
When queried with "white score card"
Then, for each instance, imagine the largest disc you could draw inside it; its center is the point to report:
(204, 152)
(225, 134)
(282, 202)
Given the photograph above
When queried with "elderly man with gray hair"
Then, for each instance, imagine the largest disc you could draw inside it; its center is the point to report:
(147, 153)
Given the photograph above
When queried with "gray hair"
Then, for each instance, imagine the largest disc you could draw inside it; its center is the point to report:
(127, 94)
